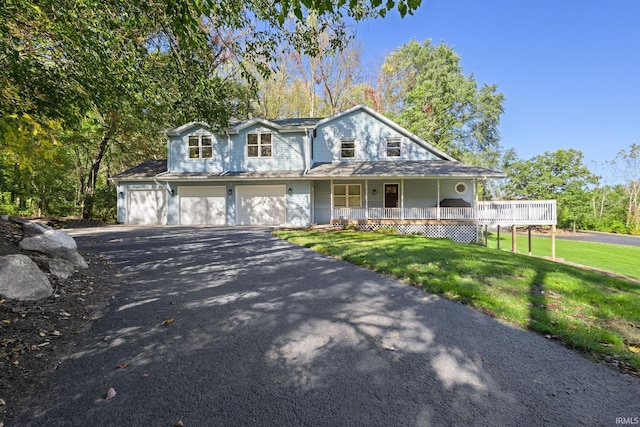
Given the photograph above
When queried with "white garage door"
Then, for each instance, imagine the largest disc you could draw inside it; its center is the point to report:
(146, 207)
(260, 204)
(202, 205)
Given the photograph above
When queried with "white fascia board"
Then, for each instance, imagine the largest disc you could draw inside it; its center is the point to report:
(178, 130)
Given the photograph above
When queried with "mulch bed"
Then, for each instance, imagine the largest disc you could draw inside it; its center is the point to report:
(36, 336)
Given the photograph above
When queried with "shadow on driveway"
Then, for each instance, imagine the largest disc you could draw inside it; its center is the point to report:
(268, 333)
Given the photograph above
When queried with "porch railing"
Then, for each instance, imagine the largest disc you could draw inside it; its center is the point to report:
(517, 212)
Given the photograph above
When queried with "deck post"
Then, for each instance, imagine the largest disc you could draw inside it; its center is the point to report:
(513, 238)
(529, 240)
(498, 236)
(553, 242)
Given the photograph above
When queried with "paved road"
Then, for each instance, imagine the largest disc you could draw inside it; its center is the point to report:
(591, 236)
(267, 333)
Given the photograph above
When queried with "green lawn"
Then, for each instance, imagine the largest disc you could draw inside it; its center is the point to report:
(597, 314)
(615, 258)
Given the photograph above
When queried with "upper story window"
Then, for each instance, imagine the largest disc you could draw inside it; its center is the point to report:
(393, 147)
(200, 147)
(348, 148)
(259, 145)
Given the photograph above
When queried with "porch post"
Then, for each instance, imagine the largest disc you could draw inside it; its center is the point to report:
(366, 199)
(438, 203)
(529, 240)
(402, 199)
(513, 238)
(498, 236)
(331, 196)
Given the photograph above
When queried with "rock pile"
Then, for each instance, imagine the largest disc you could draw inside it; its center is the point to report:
(22, 279)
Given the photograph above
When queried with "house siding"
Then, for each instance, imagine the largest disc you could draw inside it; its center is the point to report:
(287, 151)
(178, 153)
(367, 131)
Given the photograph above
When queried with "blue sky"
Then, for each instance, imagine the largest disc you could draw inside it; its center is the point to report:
(570, 70)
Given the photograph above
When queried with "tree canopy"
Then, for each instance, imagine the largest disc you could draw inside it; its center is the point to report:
(425, 91)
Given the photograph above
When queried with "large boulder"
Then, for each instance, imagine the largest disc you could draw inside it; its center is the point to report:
(60, 268)
(57, 244)
(21, 279)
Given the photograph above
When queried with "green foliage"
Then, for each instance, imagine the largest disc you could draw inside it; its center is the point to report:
(111, 75)
(427, 93)
(559, 175)
(586, 310)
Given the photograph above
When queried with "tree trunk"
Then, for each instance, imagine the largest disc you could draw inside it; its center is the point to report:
(92, 179)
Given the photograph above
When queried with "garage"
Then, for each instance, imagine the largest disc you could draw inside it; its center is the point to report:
(202, 205)
(146, 207)
(260, 205)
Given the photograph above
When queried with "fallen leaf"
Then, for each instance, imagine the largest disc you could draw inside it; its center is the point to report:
(56, 333)
(168, 322)
(64, 313)
(634, 349)
(123, 365)
(145, 375)
(178, 423)
(42, 333)
(7, 321)
(110, 394)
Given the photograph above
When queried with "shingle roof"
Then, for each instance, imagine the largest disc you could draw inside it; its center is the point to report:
(426, 168)
(147, 169)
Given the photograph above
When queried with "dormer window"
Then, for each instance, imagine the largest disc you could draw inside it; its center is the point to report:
(393, 147)
(348, 148)
(259, 145)
(200, 147)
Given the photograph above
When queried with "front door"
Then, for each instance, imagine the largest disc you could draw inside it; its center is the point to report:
(391, 195)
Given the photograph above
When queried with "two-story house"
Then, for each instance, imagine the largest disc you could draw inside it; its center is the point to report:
(355, 167)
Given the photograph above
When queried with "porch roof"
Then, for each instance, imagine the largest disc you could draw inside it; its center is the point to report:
(146, 169)
(410, 168)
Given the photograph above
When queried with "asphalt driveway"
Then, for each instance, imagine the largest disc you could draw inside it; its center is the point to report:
(268, 333)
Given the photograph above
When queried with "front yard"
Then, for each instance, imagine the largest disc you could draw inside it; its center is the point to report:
(596, 314)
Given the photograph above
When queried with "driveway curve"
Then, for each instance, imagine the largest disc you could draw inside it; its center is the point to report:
(268, 333)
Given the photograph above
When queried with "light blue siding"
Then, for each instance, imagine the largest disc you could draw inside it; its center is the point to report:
(321, 202)
(298, 203)
(287, 151)
(178, 153)
(371, 140)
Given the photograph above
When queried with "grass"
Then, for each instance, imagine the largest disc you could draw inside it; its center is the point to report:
(591, 312)
(615, 258)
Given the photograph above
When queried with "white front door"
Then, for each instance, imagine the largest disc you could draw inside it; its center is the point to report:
(260, 204)
(202, 205)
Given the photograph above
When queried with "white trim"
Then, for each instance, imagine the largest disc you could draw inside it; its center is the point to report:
(464, 184)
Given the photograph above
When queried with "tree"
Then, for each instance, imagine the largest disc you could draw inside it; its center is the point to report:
(559, 175)
(426, 92)
(132, 68)
(629, 162)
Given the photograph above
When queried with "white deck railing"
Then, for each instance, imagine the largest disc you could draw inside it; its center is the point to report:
(517, 212)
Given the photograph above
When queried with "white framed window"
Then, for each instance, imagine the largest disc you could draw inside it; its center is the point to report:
(259, 145)
(200, 146)
(394, 145)
(348, 148)
(460, 187)
(347, 195)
